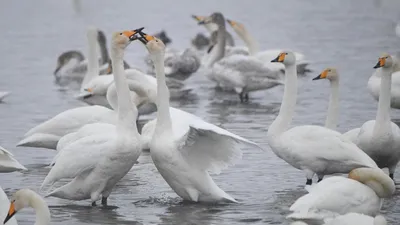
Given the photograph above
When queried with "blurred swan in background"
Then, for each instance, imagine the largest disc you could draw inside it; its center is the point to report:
(362, 192)
(3, 94)
(380, 138)
(312, 149)
(98, 161)
(26, 198)
(268, 55)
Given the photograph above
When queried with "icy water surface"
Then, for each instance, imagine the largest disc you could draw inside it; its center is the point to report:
(349, 35)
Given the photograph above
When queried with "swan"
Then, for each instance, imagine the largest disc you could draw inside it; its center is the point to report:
(241, 73)
(77, 71)
(4, 207)
(312, 149)
(108, 156)
(48, 134)
(264, 56)
(380, 138)
(3, 94)
(356, 218)
(8, 163)
(374, 83)
(333, 108)
(27, 198)
(184, 160)
(362, 192)
(212, 30)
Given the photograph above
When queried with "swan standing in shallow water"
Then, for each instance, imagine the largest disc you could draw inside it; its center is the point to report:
(312, 149)
(333, 107)
(361, 192)
(27, 198)
(184, 159)
(107, 157)
(380, 138)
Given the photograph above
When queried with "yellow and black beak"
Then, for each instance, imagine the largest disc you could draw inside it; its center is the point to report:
(280, 58)
(231, 22)
(132, 34)
(145, 38)
(198, 18)
(11, 212)
(321, 76)
(380, 63)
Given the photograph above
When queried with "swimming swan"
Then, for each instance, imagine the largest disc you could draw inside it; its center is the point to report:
(107, 157)
(380, 138)
(27, 198)
(312, 149)
(362, 192)
(8, 163)
(333, 107)
(184, 159)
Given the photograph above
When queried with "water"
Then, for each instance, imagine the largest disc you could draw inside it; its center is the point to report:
(349, 35)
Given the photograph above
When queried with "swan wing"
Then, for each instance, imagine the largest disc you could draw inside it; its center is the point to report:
(352, 135)
(80, 156)
(8, 163)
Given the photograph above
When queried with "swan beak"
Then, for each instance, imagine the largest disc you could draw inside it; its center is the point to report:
(321, 76)
(204, 20)
(131, 34)
(280, 58)
(198, 18)
(380, 63)
(231, 22)
(11, 212)
(145, 37)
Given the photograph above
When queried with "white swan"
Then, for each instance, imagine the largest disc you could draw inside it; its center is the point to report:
(312, 149)
(8, 163)
(184, 157)
(361, 192)
(268, 55)
(108, 156)
(333, 107)
(380, 138)
(4, 207)
(356, 218)
(27, 198)
(374, 83)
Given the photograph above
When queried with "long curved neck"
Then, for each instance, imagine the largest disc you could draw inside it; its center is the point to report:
(127, 112)
(250, 42)
(333, 108)
(219, 49)
(93, 63)
(285, 116)
(382, 122)
(41, 210)
(163, 115)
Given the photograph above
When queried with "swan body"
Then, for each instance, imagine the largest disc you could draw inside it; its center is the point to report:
(4, 207)
(27, 198)
(362, 193)
(380, 138)
(108, 156)
(184, 158)
(313, 149)
(8, 163)
(356, 218)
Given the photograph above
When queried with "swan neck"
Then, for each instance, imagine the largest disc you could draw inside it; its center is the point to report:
(333, 108)
(162, 102)
(105, 58)
(285, 116)
(127, 112)
(250, 42)
(41, 210)
(382, 122)
(93, 63)
(219, 52)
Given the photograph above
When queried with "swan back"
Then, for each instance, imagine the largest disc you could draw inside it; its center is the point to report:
(376, 179)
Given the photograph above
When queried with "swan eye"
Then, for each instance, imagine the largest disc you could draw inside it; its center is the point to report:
(120, 33)
(286, 53)
(329, 70)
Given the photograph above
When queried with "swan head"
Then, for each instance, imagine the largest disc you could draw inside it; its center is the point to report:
(329, 73)
(385, 61)
(286, 57)
(22, 198)
(124, 38)
(198, 18)
(376, 179)
(66, 57)
(153, 44)
(95, 87)
(216, 18)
